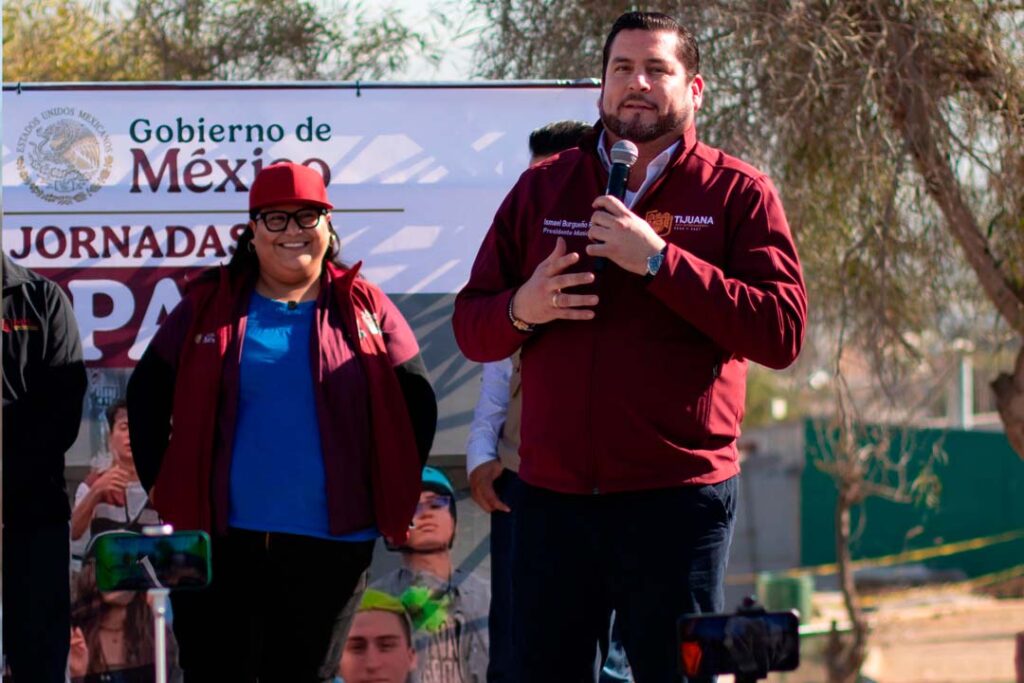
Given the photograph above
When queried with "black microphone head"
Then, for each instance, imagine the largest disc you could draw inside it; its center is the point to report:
(292, 305)
(624, 152)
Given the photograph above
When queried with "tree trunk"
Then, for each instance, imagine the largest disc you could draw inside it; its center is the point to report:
(844, 659)
(1009, 391)
(914, 112)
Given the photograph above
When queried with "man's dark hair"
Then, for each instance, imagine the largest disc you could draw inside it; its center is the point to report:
(557, 137)
(688, 52)
(112, 410)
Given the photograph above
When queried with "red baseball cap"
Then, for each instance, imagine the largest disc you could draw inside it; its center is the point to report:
(288, 183)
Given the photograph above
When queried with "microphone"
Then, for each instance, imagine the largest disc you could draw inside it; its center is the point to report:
(624, 155)
(292, 305)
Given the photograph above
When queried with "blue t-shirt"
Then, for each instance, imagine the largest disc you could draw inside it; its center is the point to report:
(277, 468)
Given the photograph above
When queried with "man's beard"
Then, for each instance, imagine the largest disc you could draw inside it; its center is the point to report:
(637, 131)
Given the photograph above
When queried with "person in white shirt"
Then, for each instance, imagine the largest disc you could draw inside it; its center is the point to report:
(112, 498)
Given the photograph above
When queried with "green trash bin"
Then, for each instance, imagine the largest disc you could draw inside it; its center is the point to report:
(778, 592)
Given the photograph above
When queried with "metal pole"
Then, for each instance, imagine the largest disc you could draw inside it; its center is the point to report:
(158, 603)
(965, 387)
(1018, 659)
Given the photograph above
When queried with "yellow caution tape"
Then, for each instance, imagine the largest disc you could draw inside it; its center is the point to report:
(889, 560)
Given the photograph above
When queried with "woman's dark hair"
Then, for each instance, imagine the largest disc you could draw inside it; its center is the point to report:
(113, 409)
(244, 262)
(87, 613)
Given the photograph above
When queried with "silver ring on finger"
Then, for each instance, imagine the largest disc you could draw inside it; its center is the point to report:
(554, 299)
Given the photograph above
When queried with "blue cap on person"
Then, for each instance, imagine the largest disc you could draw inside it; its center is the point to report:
(437, 481)
(288, 183)
(437, 478)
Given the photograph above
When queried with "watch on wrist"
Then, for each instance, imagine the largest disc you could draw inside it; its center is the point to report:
(654, 264)
(520, 325)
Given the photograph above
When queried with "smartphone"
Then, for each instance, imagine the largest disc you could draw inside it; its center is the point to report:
(127, 561)
(739, 643)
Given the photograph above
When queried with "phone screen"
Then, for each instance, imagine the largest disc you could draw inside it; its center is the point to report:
(128, 561)
(739, 643)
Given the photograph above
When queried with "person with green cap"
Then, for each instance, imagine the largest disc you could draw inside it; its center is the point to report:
(448, 606)
(379, 646)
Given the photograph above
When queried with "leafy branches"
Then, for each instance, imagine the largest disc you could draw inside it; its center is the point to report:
(68, 40)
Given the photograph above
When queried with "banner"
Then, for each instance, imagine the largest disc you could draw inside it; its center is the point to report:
(119, 192)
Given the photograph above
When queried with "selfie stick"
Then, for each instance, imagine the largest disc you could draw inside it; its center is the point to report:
(157, 597)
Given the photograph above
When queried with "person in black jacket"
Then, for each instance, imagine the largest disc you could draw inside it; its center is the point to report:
(43, 387)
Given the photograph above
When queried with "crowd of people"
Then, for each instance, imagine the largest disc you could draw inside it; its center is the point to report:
(283, 407)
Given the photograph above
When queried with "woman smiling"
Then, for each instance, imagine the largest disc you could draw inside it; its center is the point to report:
(301, 415)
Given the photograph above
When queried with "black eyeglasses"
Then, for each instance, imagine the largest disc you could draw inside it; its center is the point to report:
(436, 503)
(277, 221)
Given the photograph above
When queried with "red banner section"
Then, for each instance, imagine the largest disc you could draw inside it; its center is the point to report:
(120, 309)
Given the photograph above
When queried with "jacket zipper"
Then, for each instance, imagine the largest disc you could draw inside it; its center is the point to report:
(595, 488)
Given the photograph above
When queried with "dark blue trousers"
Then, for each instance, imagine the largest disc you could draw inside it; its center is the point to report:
(501, 667)
(502, 662)
(650, 556)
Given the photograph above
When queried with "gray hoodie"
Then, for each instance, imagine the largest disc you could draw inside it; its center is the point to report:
(457, 652)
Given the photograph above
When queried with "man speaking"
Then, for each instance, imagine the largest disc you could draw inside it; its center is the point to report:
(634, 376)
